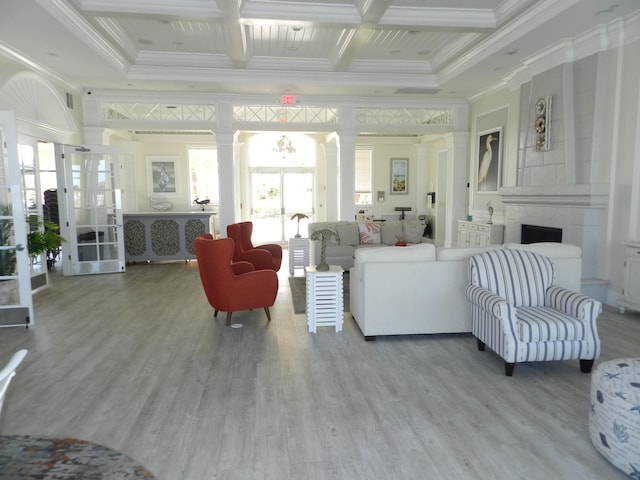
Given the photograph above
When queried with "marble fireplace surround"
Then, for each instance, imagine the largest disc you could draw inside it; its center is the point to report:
(579, 210)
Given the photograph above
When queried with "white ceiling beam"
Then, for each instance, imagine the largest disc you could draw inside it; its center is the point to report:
(183, 8)
(473, 18)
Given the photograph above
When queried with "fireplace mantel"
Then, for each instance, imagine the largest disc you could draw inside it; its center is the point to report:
(583, 195)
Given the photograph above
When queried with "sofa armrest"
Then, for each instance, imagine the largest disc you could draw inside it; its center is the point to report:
(573, 303)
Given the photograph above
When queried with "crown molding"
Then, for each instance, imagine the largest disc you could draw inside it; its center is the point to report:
(183, 8)
(77, 25)
(440, 17)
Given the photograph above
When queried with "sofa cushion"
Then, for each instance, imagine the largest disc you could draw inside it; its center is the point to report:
(314, 227)
(369, 232)
(453, 254)
(413, 230)
(420, 252)
(348, 233)
(390, 232)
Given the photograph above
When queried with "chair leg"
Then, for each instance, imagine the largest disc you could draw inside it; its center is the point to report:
(586, 365)
(266, 309)
(229, 318)
(480, 345)
(508, 369)
(215, 312)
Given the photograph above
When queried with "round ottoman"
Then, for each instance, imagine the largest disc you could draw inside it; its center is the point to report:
(614, 419)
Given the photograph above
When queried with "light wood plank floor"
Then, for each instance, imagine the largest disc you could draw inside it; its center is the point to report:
(135, 361)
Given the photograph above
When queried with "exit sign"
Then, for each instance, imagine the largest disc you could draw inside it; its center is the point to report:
(288, 100)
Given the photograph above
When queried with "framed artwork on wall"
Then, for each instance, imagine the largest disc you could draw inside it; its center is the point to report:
(399, 175)
(489, 166)
(542, 124)
(162, 175)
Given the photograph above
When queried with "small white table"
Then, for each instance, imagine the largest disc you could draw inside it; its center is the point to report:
(298, 253)
(325, 305)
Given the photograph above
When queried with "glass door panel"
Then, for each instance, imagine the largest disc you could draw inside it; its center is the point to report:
(93, 211)
(297, 198)
(276, 195)
(16, 307)
(266, 207)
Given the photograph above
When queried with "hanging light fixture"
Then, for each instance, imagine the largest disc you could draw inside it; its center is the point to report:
(284, 145)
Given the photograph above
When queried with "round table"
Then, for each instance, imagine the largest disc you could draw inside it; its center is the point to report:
(43, 458)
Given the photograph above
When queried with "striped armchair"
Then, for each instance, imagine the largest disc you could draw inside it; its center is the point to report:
(519, 313)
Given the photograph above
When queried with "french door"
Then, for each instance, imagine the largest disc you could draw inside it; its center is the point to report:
(277, 194)
(16, 305)
(91, 220)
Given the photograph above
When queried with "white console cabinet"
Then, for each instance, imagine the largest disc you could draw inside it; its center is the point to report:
(631, 277)
(472, 234)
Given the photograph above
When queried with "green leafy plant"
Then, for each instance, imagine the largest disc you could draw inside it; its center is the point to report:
(43, 236)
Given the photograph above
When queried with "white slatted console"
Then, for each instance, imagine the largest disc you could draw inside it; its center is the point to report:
(324, 298)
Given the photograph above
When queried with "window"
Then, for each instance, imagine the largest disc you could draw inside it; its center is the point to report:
(203, 178)
(363, 194)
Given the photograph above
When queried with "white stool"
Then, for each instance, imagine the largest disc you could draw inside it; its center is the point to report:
(325, 302)
(298, 253)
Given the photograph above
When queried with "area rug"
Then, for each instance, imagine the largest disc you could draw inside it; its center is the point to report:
(298, 286)
(43, 458)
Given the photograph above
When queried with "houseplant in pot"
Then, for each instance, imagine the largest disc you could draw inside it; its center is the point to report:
(43, 237)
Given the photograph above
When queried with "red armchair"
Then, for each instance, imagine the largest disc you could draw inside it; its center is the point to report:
(232, 287)
(262, 257)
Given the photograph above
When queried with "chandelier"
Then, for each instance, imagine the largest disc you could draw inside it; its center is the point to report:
(284, 145)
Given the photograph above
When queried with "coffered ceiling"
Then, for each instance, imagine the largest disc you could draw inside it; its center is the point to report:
(439, 48)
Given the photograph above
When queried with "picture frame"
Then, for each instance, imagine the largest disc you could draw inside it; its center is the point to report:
(489, 162)
(162, 175)
(399, 176)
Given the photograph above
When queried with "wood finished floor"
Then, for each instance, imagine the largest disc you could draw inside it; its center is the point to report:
(135, 361)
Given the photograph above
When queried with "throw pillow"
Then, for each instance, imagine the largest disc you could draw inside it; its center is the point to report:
(390, 232)
(369, 233)
(413, 230)
(348, 233)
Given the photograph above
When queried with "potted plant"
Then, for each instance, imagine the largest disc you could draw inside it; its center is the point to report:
(43, 236)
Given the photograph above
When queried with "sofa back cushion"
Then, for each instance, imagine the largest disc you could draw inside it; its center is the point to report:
(348, 233)
(453, 254)
(390, 232)
(420, 252)
(519, 276)
(413, 230)
(315, 226)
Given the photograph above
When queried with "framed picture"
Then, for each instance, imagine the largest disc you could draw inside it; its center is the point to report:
(542, 124)
(399, 175)
(489, 164)
(162, 175)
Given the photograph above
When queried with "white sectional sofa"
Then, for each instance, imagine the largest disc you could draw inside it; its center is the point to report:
(341, 250)
(420, 289)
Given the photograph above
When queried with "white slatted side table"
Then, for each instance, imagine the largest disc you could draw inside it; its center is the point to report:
(325, 305)
(298, 253)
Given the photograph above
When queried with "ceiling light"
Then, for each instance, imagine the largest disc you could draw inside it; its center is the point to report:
(395, 52)
(513, 51)
(424, 52)
(144, 41)
(296, 29)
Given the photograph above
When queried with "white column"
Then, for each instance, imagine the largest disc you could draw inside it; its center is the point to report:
(421, 178)
(347, 174)
(328, 181)
(225, 141)
(457, 170)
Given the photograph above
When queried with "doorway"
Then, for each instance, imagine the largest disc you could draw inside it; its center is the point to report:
(277, 194)
(280, 184)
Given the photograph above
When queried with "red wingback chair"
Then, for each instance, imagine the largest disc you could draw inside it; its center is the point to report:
(267, 256)
(232, 287)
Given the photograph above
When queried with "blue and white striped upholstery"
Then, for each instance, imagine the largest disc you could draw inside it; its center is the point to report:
(522, 316)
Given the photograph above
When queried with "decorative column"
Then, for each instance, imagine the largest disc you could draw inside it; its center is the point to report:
(346, 162)
(457, 178)
(225, 141)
